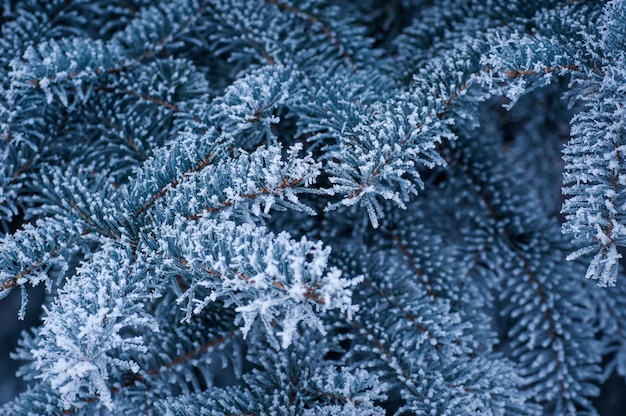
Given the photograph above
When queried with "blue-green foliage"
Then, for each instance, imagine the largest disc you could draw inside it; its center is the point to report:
(281, 207)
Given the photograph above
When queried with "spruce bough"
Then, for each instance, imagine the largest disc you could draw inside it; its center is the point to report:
(313, 207)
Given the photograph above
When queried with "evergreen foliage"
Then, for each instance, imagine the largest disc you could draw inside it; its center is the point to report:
(280, 207)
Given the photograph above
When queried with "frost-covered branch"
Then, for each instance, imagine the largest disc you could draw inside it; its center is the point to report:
(271, 277)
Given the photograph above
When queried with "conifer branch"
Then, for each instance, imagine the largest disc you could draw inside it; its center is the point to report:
(206, 161)
(309, 291)
(11, 283)
(108, 233)
(286, 183)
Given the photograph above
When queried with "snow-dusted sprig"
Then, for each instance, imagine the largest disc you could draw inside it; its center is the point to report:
(88, 336)
(332, 105)
(29, 253)
(272, 277)
(174, 355)
(32, 22)
(344, 393)
(443, 28)
(53, 65)
(190, 152)
(383, 158)
(209, 133)
(594, 158)
(76, 207)
(79, 209)
(250, 184)
(87, 197)
(247, 109)
(245, 116)
(376, 140)
(183, 179)
(519, 63)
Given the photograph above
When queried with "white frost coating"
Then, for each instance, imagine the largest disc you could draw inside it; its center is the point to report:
(85, 324)
(252, 183)
(44, 83)
(595, 155)
(290, 327)
(270, 277)
(336, 293)
(604, 267)
(359, 391)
